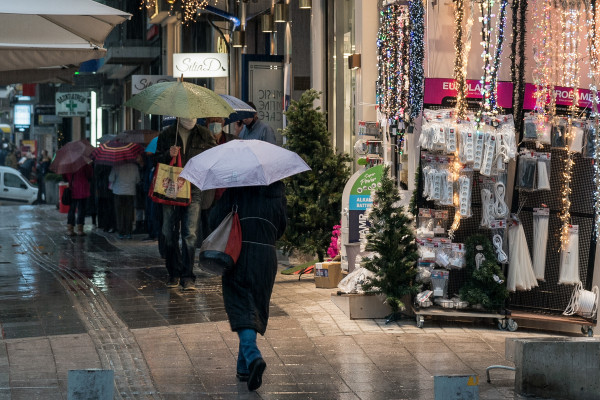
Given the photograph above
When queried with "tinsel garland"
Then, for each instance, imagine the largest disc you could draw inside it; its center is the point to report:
(404, 23)
(417, 55)
(461, 103)
(520, 82)
(500, 25)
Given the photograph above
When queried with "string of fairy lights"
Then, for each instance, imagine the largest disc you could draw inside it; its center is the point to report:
(401, 52)
(593, 23)
(189, 8)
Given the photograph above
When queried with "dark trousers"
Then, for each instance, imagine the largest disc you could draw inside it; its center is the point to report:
(106, 212)
(79, 206)
(124, 211)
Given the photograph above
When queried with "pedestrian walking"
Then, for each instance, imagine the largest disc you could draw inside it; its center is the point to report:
(106, 202)
(41, 171)
(11, 158)
(188, 139)
(248, 286)
(123, 180)
(79, 182)
(256, 129)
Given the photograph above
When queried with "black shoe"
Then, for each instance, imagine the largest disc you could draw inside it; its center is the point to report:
(173, 282)
(188, 285)
(242, 377)
(257, 367)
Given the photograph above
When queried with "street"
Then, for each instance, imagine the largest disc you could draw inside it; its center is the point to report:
(99, 302)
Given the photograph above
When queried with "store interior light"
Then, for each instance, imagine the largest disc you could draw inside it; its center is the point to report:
(305, 4)
(239, 39)
(354, 61)
(266, 21)
(281, 12)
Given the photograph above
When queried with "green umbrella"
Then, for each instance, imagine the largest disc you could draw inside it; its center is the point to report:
(180, 99)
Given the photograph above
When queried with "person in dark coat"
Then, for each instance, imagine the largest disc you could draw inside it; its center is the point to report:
(248, 286)
(107, 219)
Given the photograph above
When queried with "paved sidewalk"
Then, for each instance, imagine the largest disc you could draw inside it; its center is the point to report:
(97, 302)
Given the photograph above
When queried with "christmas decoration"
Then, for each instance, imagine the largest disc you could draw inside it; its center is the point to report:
(314, 197)
(392, 240)
(416, 58)
(594, 52)
(485, 281)
(189, 8)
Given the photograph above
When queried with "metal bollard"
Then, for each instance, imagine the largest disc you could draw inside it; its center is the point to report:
(91, 384)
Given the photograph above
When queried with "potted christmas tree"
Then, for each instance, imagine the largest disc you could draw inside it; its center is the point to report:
(314, 197)
(392, 241)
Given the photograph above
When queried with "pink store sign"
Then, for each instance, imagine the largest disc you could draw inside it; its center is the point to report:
(564, 97)
(442, 91)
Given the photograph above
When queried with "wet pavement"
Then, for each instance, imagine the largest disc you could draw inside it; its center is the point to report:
(100, 302)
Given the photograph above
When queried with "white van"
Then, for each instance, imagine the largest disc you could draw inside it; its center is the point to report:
(14, 188)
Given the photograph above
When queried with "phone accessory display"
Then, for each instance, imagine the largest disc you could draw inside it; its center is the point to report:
(520, 270)
(576, 137)
(526, 171)
(543, 171)
(559, 134)
(569, 259)
(536, 130)
(541, 217)
(589, 135)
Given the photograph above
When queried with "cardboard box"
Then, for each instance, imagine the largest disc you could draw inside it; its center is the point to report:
(362, 306)
(328, 274)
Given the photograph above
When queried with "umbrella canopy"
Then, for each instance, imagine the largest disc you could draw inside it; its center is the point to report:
(71, 157)
(106, 138)
(42, 33)
(180, 99)
(151, 148)
(115, 153)
(242, 163)
(139, 136)
(241, 109)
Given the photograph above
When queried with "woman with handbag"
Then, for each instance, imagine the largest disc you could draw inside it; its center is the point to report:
(247, 287)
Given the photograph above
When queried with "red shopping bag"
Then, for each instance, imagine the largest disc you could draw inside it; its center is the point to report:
(221, 249)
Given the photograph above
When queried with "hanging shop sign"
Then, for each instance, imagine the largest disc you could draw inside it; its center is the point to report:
(72, 104)
(564, 97)
(141, 82)
(22, 115)
(442, 91)
(200, 65)
(361, 198)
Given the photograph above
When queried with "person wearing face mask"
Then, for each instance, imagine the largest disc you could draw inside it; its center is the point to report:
(215, 126)
(255, 129)
(188, 139)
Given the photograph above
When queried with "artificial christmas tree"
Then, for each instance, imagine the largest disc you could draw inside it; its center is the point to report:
(314, 197)
(485, 280)
(392, 241)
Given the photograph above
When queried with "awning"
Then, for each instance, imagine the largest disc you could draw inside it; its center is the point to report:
(4, 128)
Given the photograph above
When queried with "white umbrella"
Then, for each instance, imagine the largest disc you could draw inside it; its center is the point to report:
(242, 163)
(43, 33)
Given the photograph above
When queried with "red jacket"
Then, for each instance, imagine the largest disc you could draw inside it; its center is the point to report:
(80, 182)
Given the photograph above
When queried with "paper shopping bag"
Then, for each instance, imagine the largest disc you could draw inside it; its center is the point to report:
(167, 187)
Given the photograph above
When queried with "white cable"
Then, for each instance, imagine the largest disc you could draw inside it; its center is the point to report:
(542, 171)
(520, 270)
(500, 207)
(501, 255)
(540, 243)
(583, 302)
(479, 259)
(487, 208)
(569, 260)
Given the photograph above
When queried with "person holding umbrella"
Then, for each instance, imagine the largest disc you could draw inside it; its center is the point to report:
(188, 139)
(255, 129)
(79, 182)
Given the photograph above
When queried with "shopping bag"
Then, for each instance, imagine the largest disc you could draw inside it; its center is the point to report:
(66, 196)
(167, 187)
(221, 249)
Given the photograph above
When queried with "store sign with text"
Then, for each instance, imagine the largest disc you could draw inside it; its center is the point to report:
(563, 95)
(141, 82)
(361, 198)
(442, 91)
(200, 65)
(72, 104)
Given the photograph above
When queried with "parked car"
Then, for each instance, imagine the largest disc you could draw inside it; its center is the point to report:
(14, 188)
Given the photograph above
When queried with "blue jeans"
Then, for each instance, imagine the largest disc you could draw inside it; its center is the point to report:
(79, 205)
(248, 350)
(180, 262)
